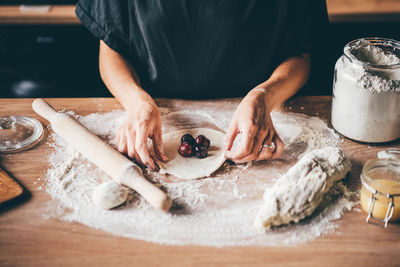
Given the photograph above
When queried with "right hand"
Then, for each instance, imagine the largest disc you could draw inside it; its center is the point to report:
(143, 122)
(253, 120)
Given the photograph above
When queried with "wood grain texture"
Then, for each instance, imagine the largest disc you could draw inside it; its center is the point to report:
(59, 14)
(338, 11)
(9, 188)
(363, 10)
(28, 237)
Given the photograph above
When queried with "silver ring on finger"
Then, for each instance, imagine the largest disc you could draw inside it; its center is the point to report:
(271, 147)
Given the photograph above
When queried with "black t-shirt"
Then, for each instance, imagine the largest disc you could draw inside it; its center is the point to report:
(204, 48)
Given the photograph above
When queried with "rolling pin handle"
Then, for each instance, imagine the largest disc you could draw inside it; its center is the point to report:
(44, 109)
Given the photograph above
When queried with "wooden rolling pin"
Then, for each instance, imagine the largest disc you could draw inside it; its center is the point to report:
(102, 154)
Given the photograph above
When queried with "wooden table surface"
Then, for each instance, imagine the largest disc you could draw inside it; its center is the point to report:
(58, 14)
(363, 10)
(338, 11)
(27, 237)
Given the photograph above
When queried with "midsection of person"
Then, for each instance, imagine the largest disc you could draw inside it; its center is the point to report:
(201, 50)
(196, 49)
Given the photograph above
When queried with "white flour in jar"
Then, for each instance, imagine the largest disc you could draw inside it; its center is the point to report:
(366, 97)
(215, 211)
(374, 55)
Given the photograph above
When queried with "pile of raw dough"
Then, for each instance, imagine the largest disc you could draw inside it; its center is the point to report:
(109, 194)
(299, 191)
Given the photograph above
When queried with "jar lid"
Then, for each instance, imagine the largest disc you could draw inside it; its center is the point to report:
(19, 133)
(382, 175)
(389, 153)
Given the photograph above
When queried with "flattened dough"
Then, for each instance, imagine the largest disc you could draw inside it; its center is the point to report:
(193, 167)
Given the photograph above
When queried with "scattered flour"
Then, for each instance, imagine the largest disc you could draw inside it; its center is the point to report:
(215, 211)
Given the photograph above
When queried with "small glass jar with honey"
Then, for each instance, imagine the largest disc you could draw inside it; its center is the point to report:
(380, 192)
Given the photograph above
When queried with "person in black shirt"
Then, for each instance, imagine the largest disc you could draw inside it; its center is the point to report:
(256, 49)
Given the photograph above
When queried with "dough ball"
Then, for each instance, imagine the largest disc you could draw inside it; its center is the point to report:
(109, 195)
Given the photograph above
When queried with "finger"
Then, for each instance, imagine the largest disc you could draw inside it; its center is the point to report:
(130, 144)
(138, 160)
(259, 141)
(265, 152)
(279, 146)
(269, 137)
(122, 147)
(230, 137)
(121, 143)
(157, 146)
(255, 150)
(244, 148)
(141, 149)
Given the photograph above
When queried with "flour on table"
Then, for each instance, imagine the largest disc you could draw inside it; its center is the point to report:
(214, 211)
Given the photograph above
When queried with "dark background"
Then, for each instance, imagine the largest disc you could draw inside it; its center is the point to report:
(62, 60)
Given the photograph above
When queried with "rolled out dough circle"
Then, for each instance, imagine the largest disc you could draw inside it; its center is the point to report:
(193, 167)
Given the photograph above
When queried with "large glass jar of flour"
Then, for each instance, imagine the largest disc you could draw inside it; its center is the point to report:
(366, 90)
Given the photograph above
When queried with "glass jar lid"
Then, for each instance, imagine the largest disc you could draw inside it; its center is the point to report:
(389, 153)
(19, 133)
(382, 175)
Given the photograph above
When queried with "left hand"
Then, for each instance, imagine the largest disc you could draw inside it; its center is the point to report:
(252, 119)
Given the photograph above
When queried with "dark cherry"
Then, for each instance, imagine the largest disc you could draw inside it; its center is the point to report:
(201, 140)
(185, 150)
(188, 138)
(200, 151)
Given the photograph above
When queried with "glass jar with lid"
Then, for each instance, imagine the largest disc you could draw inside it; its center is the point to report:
(366, 90)
(380, 192)
(19, 133)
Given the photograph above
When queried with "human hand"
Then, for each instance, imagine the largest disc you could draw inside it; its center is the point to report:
(143, 122)
(252, 119)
